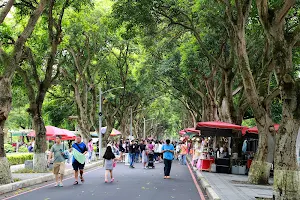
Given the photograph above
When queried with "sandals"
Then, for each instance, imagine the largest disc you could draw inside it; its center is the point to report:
(112, 180)
(81, 179)
(75, 183)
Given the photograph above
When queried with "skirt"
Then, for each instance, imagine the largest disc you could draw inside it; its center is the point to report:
(144, 157)
(109, 164)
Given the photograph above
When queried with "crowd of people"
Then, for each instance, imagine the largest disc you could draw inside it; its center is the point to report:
(138, 152)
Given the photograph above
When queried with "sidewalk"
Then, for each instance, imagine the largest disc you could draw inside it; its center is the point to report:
(235, 187)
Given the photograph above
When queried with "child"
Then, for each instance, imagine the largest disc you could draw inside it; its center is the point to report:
(109, 158)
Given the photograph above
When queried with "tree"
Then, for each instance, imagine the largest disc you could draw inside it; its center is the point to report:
(9, 62)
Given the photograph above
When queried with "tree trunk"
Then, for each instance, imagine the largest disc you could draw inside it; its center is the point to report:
(5, 106)
(5, 173)
(39, 158)
(260, 168)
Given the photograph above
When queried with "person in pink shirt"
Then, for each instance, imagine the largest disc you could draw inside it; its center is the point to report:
(150, 146)
(90, 149)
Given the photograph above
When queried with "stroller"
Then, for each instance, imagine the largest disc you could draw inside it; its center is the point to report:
(150, 160)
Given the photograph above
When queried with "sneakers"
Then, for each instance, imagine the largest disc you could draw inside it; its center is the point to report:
(60, 185)
(132, 167)
(112, 180)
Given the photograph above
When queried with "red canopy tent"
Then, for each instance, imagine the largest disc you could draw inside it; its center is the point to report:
(255, 129)
(253, 132)
(217, 128)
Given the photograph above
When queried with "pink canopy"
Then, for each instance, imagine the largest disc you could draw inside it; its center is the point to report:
(255, 129)
(50, 132)
(115, 132)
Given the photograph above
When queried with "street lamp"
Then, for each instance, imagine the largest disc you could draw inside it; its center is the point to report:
(145, 126)
(100, 116)
(131, 119)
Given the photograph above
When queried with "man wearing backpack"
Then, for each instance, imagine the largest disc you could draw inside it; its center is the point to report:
(57, 151)
(79, 150)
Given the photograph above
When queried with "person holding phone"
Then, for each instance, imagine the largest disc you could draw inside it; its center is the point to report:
(168, 155)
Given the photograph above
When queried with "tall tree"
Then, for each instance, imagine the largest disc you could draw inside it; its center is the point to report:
(9, 61)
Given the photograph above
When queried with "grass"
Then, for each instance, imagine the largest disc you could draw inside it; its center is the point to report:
(28, 171)
(16, 180)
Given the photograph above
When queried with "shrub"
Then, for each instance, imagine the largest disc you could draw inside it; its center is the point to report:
(23, 149)
(9, 148)
(17, 159)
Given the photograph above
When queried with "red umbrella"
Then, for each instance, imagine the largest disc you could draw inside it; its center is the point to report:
(217, 128)
(51, 131)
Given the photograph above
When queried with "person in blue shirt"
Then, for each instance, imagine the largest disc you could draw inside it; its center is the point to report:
(168, 155)
(81, 147)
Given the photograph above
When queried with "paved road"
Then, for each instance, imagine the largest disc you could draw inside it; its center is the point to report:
(130, 184)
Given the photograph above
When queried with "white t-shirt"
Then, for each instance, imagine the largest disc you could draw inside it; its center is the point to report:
(156, 148)
(160, 148)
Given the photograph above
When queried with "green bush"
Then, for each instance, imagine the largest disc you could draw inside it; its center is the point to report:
(17, 159)
(9, 148)
(23, 149)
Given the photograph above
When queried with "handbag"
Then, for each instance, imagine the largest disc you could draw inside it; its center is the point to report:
(114, 164)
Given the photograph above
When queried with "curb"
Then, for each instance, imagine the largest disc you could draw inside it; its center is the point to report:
(212, 195)
(30, 182)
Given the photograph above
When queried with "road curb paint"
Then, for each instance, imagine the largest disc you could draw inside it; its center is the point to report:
(212, 195)
(196, 183)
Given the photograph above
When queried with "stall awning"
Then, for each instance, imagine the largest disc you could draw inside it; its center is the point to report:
(255, 129)
(217, 128)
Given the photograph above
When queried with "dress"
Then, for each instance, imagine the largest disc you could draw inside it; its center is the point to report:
(109, 164)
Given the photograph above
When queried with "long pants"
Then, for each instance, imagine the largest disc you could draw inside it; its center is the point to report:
(183, 159)
(132, 157)
(168, 165)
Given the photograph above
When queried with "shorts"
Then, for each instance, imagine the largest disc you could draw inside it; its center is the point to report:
(59, 168)
(76, 165)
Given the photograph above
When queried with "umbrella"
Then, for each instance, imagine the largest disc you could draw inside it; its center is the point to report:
(189, 131)
(20, 133)
(51, 131)
(115, 132)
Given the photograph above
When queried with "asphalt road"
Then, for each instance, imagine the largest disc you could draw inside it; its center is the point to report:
(130, 184)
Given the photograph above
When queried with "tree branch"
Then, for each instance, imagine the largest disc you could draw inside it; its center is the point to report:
(18, 48)
(271, 96)
(6, 10)
(283, 11)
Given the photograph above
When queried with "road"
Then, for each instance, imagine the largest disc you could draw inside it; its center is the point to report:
(130, 184)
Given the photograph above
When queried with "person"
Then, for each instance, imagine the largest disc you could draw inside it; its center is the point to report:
(178, 147)
(90, 149)
(109, 159)
(122, 150)
(137, 152)
(57, 152)
(168, 154)
(79, 150)
(183, 153)
(132, 153)
(159, 151)
(156, 149)
(143, 148)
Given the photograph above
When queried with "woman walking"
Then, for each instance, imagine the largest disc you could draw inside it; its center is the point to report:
(90, 150)
(168, 153)
(109, 159)
(143, 148)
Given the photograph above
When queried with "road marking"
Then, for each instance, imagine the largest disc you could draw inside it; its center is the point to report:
(196, 183)
(45, 186)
